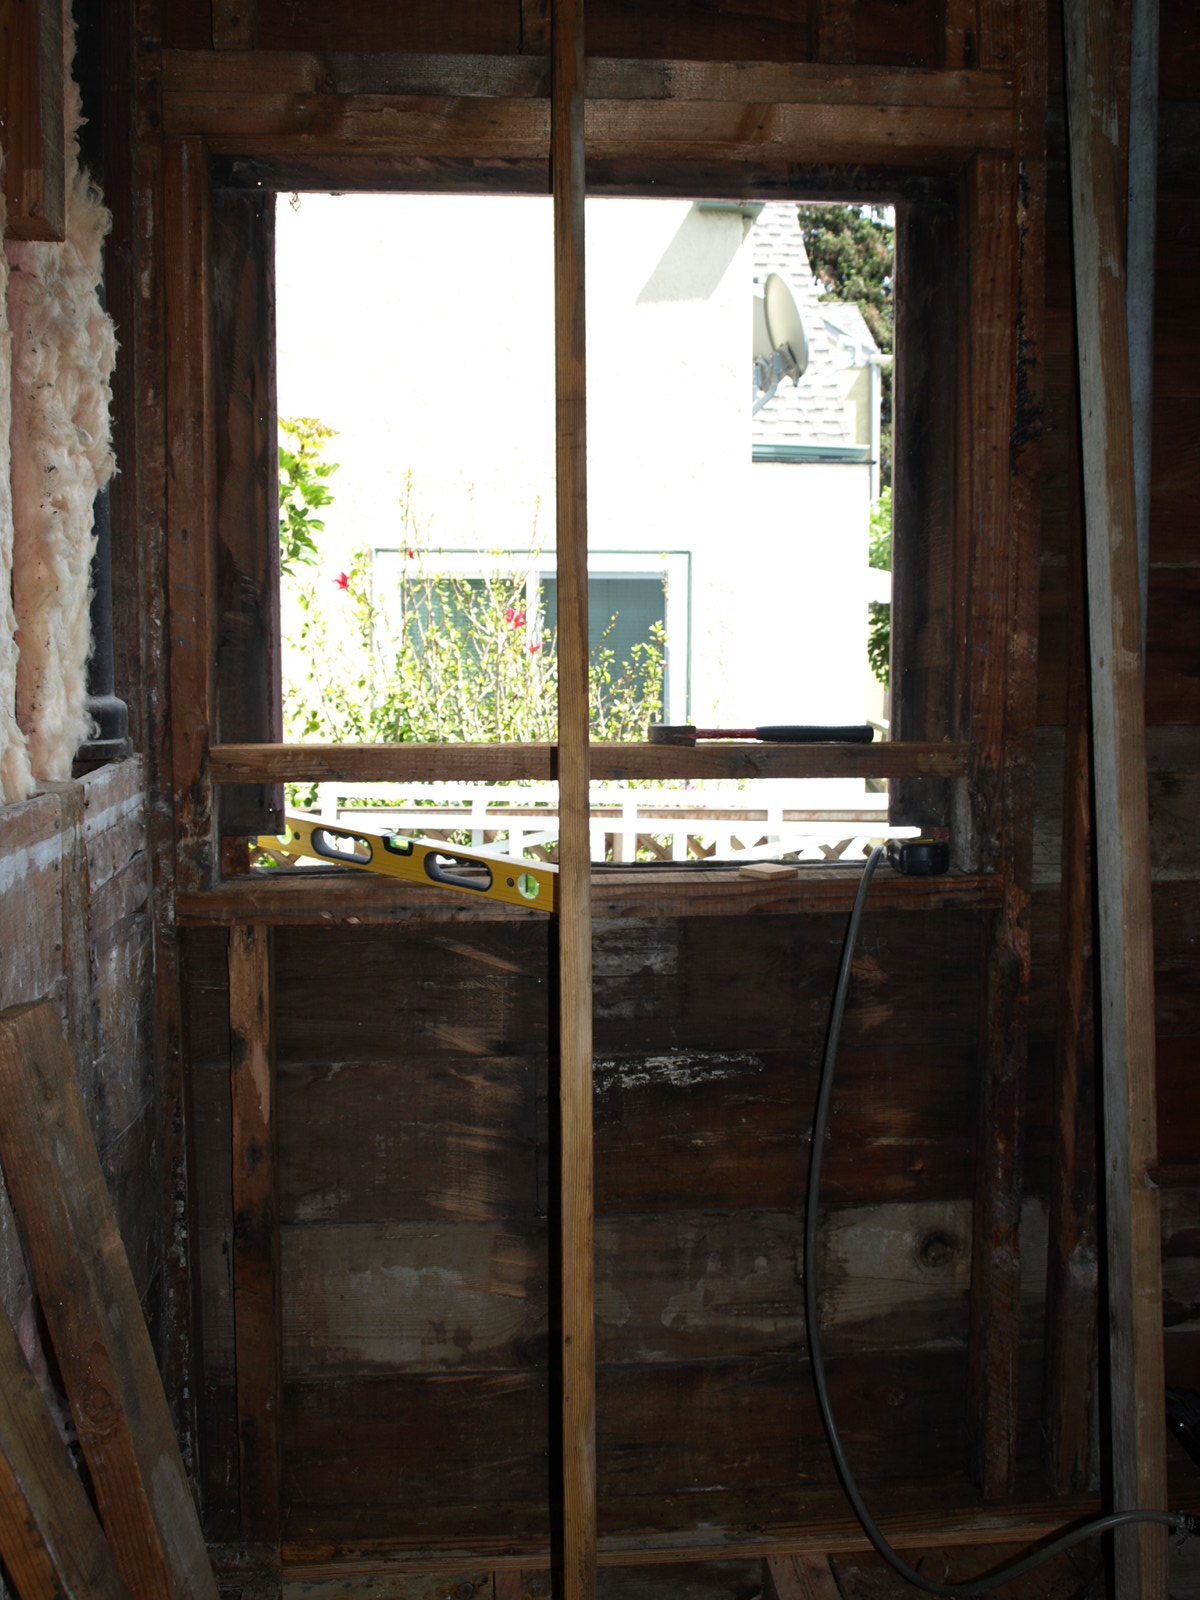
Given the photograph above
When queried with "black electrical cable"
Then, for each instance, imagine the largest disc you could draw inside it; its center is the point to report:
(1182, 1524)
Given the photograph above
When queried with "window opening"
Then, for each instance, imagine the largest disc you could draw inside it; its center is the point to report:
(729, 563)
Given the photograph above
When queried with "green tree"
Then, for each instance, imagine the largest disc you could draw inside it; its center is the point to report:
(303, 489)
(879, 612)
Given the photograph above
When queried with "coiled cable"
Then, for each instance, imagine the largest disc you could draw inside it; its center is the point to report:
(1180, 1523)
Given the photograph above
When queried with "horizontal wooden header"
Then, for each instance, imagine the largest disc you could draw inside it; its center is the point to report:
(280, 105)
(513, 763)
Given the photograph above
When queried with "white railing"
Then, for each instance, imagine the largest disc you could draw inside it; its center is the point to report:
(626, 824)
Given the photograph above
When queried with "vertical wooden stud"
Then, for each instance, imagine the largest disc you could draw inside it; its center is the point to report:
(234, 24)
(1121, 802)
(1072, 1273)
(574, 882)
(191, 574)
(31, 84)
(256, 1301)
(1002, 567)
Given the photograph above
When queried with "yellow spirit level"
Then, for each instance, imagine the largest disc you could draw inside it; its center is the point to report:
(445, 866)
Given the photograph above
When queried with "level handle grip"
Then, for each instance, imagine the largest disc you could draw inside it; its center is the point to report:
(808, 733)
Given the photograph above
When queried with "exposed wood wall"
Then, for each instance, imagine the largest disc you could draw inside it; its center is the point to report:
(415, 1171)
(75, 928)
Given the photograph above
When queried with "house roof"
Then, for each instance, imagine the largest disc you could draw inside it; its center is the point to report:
(813, 412)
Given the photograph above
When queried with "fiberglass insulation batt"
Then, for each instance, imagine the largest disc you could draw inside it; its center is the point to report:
(16, 780)
(62, 355)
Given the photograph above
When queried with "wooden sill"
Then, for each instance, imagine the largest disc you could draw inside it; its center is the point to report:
(328, 896)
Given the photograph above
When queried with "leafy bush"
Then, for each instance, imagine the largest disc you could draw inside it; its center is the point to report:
(879, 612)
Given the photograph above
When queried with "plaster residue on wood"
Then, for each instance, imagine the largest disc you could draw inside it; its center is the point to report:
(16, 780)
(63, 349)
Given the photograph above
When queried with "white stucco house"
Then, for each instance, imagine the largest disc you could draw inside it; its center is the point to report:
(421, 328)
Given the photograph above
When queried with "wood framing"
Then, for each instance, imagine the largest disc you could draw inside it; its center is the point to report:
(576, 1198)
(1122, 821)
(256, 1291)
(31, 114)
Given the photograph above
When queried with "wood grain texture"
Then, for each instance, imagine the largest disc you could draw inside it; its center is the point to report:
(50, 1539)
(31, 112)
(1122, 832)
(234, 24)
(191, 566)
(95, 1321)
(249, 666)
(574, 923)
(504, 763)
(1072, 1288)
(831, 30)
(255, 1193)
(799, 1578)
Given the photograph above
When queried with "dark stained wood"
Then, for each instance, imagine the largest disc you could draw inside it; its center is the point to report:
(234, 24)
(1073, 1283)
(50, 1539)
(503, 763)
(959, 34)
(249, 654)
(31, 112)
(95, 1321)
(1122, 829)
(1002, 692)
(574, 921)
(191, 569)
(799, 1578)
(329, 899)
(924, 501)
(377, 25)
(256, 1263)
(831, 30)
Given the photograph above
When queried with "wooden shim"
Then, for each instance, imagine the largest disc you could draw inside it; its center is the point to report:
(92, 1310)
(256, 1283)
(799, 1578)
(191, 568)
(574, 851)
(1122, 827)
(31, 50)
(507, 763)
(50, 1540)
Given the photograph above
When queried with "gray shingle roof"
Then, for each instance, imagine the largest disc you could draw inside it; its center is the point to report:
(814, 411)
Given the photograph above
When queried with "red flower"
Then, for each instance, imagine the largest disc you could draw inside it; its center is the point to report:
(535, 647)
(514, 617)
(342, 581)
(412, 555)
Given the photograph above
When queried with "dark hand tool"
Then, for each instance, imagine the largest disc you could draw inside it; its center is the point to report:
(800, 733)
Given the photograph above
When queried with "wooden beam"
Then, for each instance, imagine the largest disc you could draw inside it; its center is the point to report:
(234, 24)
(342, 107)
(507, 763)
(31, 114)
(91, 1307)
(191, 565)
(256, 1288)
(1002, 704)
(1122, 823)
(574, 849)
(50, 1540)
(1072, 1268)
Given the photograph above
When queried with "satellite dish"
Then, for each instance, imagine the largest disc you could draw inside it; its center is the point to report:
(780, 342)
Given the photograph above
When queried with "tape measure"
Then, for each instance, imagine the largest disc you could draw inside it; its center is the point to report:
(443, 866)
